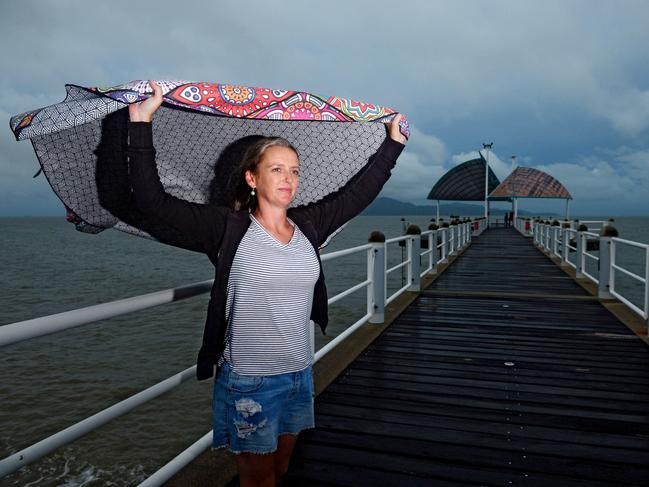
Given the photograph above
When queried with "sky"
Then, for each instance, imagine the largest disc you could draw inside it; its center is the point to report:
(562, 85)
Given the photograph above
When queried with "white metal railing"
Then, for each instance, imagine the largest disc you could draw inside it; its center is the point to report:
(569, 235)
(615, 242)
(374, 283)
(46, 325)
(585, 254)
(408, 262)
(607, 262)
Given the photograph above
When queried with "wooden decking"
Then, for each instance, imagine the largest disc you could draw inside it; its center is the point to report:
(504, 372)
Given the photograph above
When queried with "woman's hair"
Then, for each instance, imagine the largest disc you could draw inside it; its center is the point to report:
(242, 197)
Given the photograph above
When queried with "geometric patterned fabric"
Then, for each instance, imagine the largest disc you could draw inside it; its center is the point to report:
(81, 146)
(465, 182)
(527, 182)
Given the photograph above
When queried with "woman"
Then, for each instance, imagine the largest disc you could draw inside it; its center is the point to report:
(268, 286)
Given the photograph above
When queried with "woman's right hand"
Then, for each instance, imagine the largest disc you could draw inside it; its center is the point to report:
(143, 111)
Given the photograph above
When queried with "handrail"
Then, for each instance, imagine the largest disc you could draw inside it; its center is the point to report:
(349, 291)
(630, 242)
(397, 239)
(344, 252)
(398, 266)
(628, 273)
(46, 325)
(397, 294)
(615, 241)
(40, 449)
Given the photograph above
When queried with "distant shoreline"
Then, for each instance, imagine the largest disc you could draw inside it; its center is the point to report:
(384, 206)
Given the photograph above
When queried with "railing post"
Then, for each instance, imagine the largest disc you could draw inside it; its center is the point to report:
(465, 233)
(444, 242)
(581, 248)
(376, 269)
(555, 238)
(565, 242)
(606, 233)
(452, 238)
(646, 289)
(432, 245)
(414, 254)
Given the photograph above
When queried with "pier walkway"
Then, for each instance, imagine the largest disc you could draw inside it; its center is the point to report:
(503, 372)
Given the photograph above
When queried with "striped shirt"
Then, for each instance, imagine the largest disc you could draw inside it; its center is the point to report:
(269, 299)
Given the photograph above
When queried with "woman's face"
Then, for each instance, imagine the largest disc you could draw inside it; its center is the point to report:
(276, 178)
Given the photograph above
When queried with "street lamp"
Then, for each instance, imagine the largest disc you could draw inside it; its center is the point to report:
(514, 200)
(486, 147)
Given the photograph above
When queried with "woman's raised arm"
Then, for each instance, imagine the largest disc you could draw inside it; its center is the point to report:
(334, 210)
(200, 222)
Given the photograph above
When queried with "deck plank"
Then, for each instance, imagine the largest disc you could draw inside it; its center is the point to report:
(502, 372)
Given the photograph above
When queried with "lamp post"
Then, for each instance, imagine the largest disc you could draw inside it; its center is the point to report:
(514, 200)
(486, 147)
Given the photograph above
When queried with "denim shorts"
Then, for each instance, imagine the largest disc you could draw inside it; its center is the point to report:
(251, 411)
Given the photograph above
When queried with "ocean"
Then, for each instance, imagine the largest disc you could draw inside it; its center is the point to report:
(52, 382)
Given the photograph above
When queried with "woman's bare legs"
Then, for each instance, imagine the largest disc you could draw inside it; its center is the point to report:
(285, 445)
(259, 470)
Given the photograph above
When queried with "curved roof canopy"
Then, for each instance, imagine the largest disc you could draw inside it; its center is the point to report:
(465, 182)
(527, 182)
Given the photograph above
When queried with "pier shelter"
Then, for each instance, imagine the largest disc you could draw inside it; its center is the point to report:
(526, 183)
(465, 182)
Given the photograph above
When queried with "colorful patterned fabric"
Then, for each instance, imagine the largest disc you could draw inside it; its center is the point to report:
(85, 104)
(527, 182)
(200, 134)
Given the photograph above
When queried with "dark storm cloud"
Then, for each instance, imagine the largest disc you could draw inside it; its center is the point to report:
(462, 71)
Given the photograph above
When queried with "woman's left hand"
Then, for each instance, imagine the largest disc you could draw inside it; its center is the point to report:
(395, 130)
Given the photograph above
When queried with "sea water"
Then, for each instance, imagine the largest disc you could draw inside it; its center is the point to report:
(52, 382)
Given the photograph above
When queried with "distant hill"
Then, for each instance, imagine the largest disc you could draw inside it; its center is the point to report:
(392, 207)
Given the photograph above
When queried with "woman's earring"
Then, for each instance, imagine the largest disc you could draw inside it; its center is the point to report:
(252, 192)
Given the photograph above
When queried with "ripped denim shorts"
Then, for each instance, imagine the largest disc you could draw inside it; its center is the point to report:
(251, 411)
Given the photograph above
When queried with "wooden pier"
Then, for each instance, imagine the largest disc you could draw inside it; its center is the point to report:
(504, 371)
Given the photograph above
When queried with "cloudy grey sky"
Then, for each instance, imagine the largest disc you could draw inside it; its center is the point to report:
(563, 86)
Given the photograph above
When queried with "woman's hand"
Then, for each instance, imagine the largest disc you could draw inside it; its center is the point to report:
(144, 110)
(395, 130)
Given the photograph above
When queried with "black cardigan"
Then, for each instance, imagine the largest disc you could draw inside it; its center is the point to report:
(218, 230)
